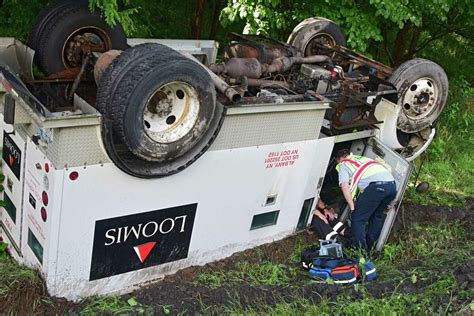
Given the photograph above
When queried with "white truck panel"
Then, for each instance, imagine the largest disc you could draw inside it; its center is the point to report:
(229, 187)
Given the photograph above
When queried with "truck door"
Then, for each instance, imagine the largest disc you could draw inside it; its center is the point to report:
(401, 171)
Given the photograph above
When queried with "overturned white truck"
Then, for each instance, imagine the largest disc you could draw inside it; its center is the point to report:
(133, 158)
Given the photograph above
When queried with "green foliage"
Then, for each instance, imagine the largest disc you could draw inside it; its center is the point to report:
(16, 16)
(113, 14)
(3, 248)
(363, 21)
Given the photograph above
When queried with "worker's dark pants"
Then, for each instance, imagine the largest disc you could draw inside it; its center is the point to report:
(369, 209)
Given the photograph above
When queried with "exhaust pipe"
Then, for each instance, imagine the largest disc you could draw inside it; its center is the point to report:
(252, 68)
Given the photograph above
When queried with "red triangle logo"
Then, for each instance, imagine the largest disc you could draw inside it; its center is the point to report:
(143, 251)
(12, 160)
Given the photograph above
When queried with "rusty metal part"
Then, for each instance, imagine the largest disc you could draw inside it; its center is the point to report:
(259, 83)
(252, 68)
(317, 95)
(66, 75)
(264, 54)
(365, 116)
(272, 99)
(284, 64)
(383, 71)
(240, 67)
(103, 62)
(79, 75)
(263, 48)
(82, 42)
(220, 84)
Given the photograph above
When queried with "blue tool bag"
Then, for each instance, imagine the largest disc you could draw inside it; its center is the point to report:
(340, 270)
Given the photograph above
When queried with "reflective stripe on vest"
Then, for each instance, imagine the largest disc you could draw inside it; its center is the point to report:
(360, 167)
(358, 175)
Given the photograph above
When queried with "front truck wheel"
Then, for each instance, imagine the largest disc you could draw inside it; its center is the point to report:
(160, 110)
(313, 34)
(67, 31)
(422, 87)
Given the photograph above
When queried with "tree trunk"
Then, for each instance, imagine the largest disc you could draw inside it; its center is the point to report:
(399, 47)
(414, 43)
(197, 23)
(285, 7)
(215, 19)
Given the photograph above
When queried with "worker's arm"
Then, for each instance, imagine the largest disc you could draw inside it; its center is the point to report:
(347, 195)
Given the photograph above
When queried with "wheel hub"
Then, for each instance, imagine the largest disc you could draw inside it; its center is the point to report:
(320, 44)
(82, 42)
(171, 112)
(420, 98)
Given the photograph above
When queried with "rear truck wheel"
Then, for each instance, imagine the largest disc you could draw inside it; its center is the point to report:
(70, 32)
(422, 87)
(43, 18)
(309, 35)
(160, 110)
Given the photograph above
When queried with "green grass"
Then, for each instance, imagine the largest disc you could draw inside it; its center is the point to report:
(21, 288)
(255, 274)
(114, 305)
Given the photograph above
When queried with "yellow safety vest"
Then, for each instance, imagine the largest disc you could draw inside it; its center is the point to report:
(361, 168)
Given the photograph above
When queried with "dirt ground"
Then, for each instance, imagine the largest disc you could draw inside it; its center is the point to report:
(179, 293)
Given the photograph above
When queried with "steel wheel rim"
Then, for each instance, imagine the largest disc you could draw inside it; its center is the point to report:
(72, 52)
(420, 98)
(171, 112)
(324, 39)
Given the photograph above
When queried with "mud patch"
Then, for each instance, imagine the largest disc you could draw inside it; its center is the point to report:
(410, 213)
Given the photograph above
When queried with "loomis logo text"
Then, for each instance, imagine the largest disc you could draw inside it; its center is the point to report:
(141, 240)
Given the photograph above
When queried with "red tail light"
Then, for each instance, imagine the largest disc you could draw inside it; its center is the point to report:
(44, 215)
(74, 175)
(45, 198)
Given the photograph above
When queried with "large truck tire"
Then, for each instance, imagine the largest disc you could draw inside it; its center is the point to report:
(422, 87)
(42, 19)
(60, 34)
(160, 106)
(313, 31)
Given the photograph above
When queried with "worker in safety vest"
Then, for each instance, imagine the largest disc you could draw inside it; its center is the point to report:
(373, 186)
